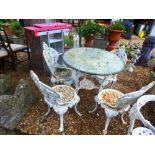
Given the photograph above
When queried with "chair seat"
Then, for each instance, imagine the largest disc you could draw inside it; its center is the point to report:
(109, 97)
(67, 93)
(3, 52)
(63, 73)
(142, 131)
(16, 47)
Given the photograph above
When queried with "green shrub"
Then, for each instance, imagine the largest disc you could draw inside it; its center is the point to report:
(17, 29)
(117, 25)
(90, 28)
(68, 40)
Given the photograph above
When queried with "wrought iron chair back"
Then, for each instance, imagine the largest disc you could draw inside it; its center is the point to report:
(142, 101)
(50, 96)
(51, 56)
(132, 97)
(135, 113)
(8, 53)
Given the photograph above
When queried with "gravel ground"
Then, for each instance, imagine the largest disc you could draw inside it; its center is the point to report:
(87, 124)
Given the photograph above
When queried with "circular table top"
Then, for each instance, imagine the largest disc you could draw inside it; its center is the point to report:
(93, 61)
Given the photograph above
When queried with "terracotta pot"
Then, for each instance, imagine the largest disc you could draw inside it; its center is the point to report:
(88, 41)
(67, 47)
(113, 37)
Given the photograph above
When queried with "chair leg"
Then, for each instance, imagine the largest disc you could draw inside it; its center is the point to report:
(132, 122)
(75, 108)
(61, 129)
(48, 111)
(28, 52)
(95, 106)
(13, 63)
(124, 122)
(106, 125)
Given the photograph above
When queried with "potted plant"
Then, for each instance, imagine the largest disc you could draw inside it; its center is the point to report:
(68, 41)
(114, 34)
(88, 29)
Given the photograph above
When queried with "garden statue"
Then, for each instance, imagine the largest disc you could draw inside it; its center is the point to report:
(134, 59)
(76, 40)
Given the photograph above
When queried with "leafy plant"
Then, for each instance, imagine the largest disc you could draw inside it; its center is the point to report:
(15, 25)
(17, 29)
(68, 40)
(117, 25)
(130, 48)
(90, 28)
(2, 21)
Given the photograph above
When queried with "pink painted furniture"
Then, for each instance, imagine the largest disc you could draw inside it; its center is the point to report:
(52, 35)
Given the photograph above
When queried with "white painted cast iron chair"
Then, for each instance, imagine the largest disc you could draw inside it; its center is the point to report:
(136, 114)
(59, 73)
(59, 97)
(111, 79)
(122, 104)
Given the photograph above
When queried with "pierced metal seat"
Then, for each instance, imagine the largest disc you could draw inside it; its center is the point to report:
(115, 102)
(142, 131)
(59, 73)
(136, 114)
(59, 97)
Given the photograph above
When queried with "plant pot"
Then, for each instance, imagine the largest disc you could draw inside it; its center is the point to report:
(100, 42)
(113, 37)
(67, 47)
(88, 41)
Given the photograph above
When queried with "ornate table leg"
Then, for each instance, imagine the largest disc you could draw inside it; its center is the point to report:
(76, 75)
(105, 80)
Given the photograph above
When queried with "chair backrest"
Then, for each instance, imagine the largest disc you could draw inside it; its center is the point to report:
(132, 97)
(6, 41)
(143, 100)
(45, 90)
(121, 53)
(34, 78)
(50, 55)
(3, 45)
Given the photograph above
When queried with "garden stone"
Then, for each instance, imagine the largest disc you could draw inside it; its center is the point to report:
(14, 107)
(5, 84)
